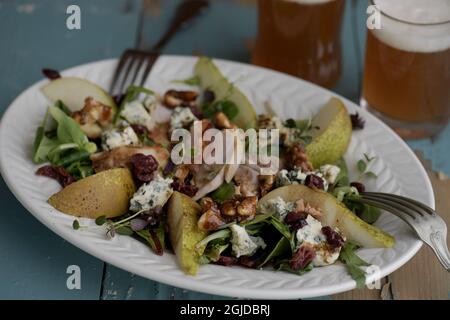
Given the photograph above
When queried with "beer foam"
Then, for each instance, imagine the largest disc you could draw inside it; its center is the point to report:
(410, 35)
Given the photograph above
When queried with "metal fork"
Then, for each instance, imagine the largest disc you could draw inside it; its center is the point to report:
(426, 223)
(135, 65)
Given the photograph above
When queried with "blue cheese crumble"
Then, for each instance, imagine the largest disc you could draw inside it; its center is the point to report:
(152, 194)
(311, 234)
(278, 207)
(181, 117)
(328, 173)
(115, 138)
(136, 113)
(242, 244)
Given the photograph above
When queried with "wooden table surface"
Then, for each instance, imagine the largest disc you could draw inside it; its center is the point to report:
(33, 35)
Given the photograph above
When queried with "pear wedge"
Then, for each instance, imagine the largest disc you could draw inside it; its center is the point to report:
(211, 78)
(106, 193)
(335, 214)
(183, 215)
(73, 92)
(332, 138)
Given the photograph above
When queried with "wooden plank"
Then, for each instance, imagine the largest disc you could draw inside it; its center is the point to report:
(424, 277)
(33, 260)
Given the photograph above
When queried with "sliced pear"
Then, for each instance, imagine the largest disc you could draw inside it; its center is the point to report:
(332, 138)
(335, 214)
(106, 193)
(73, 92)
(184, 233)
(211, 78)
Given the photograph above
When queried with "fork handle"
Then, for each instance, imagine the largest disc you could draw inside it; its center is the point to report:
(439, 246)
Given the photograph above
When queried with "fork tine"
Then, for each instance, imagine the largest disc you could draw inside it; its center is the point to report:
(118, 71)
(394, 204)
(140, 61)
(125, 81)
(151, 58)
(382, 205)
(397, 202)
(407, 201)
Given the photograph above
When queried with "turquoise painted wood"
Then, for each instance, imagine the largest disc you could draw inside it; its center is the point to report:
(33, 35)
(33, 260)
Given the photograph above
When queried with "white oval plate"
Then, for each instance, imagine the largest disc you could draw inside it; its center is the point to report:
(398, 170)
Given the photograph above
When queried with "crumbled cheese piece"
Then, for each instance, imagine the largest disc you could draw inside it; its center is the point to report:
(285, 177)
(115, 138)
(312, 235)
(330, 172)
(278, 207)
(181, 117)
(135, 113)
(152, 194)
(242, 244)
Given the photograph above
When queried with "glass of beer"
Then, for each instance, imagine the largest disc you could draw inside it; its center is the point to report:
(301, 37)
(407, 66)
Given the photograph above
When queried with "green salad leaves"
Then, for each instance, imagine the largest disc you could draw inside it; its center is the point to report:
(66, 145)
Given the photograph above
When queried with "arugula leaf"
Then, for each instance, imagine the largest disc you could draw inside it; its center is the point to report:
(284, 230)
(370, 174)
(125, 231)
(146, 235)
(213, 252)
(285, 266)
(58, 148)
(228, 107)
(281, 248)
(353, 263)
(258, 218)
(193, 81)
(223, 234)
(361, 165)
(69, 131)
(63, 107)
(131, 94)
(224, 192)
(342, 178)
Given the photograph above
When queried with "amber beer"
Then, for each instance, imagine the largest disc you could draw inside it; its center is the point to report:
(407, 68)
(301, 37)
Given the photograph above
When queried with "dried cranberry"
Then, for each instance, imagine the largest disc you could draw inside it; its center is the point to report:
(58, 173)
(302, 257)
(226, 261)
(314, 181)
(334, 239)
(51, 74)
(296, 220)
(187, 189)
(159, 250)
(139, 129)
(249, 262)
(357, 121)
(359, 186)
(209, 96)
(195, 111)
(143, 167)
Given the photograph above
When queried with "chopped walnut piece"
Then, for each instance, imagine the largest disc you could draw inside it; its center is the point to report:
(210, 220)
(247, 207)
(304, 207)
(222, 122)
(181, 172)
(93, 117)
(228, 208)
(266, 183)
(296, 157)
(174, 98)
